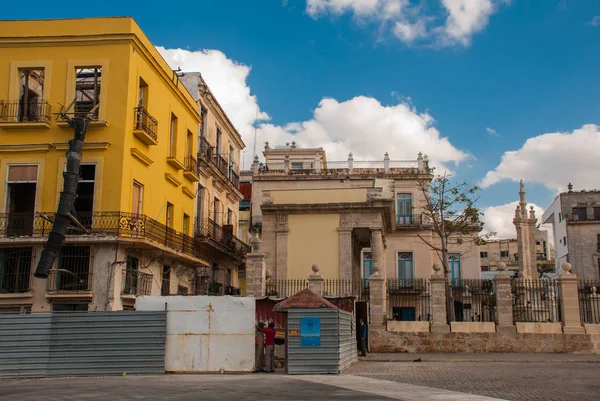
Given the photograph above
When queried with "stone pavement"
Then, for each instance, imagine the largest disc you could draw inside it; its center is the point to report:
(512, 380)
(482, 357)
(249, 387)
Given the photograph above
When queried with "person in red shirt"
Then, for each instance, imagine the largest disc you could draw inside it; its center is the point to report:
(269, 333)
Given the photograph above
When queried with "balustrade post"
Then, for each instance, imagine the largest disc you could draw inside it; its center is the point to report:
(256, 269)
(439, 317)
(286, 164)
(569, 301)
(504, 307)
(315, 281)
(386, 163)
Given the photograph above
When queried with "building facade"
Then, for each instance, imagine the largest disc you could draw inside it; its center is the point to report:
(133, 220)
(348, 220)
(575, 219)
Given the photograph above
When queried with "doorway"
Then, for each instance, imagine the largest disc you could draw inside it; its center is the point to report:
(20, 199)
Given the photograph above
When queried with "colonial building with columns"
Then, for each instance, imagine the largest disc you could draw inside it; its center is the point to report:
(350, 218)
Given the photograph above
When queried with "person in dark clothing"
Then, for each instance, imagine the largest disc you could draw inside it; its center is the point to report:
(364, 330)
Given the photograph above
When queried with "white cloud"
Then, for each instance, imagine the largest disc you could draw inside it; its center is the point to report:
(226, 79)
(368, 129)
(492, 131)
(595, 21)
(455, 21)
(499, 219)
(553, 160)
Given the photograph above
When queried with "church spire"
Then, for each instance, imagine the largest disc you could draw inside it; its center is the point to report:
(522, 200)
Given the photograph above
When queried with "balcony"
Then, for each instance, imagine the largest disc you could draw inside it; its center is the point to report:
(191, 170)
(409, 221)
(102, 225)
(136, 282)
(145, 126)
(207, 154)
(29, 115)
(206, 286)
(584, 217)
(222, 237)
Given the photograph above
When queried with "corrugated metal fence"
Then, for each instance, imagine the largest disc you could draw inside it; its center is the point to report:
(82, 344)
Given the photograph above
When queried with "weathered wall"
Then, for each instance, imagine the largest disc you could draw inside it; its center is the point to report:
(319, 196)
(206, 334)
(584, 254)
(313, 238)
(384, 341)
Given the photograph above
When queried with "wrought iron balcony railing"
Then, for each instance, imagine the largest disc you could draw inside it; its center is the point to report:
(119, 224)
(145, 122)
(210, 230)
(208, 153)
(21, 112)
(191, 165)
(136, 282)
(409, 220)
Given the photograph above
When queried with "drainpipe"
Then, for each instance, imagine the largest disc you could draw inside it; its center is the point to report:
(67, 199)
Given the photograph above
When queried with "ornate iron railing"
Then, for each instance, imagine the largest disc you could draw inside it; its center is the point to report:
(136, 282)
(208, 153)
(222, 236)
(471, 300)
(346, 288)
(589, 301)
(145, 122)
(206, 149)
(408, 299)
(119, 224)
(20, 112)
(536, 300)
(191, 165)
(409, 220)
(285, 288)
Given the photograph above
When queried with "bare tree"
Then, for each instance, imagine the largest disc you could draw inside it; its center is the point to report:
(450, 209)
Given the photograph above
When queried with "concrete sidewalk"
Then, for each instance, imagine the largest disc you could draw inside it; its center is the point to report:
(487, 357)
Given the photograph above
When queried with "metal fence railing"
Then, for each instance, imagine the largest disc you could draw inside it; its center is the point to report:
(22, 112)
(408, 299)
(471, 300)
(589, 301)
(536, 300)
(136, 282)
(72, 272)
(285, 288)
(346, 288)
(210, 230)
(145, 122)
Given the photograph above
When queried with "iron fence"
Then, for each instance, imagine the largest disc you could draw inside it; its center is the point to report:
(285, 288)
(408, 299)
(145, 122)
(471, 300)
(589, 301)
(73, 273)
(346, 288)
(15, 270)
(119, 224)
(136, 282)
(536, 300)
(20, 112)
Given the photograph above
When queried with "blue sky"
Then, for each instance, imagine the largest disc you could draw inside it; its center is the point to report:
(522, 68)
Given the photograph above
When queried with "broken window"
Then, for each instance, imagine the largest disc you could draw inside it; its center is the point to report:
(131, 275)
(84, 203)
(166, 280)
(88, 81)
(31, 94)
(20, 204)
(579, 213)
(73, 272)
(15, 270)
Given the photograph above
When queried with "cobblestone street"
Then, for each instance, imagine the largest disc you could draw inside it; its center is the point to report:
(506, 380)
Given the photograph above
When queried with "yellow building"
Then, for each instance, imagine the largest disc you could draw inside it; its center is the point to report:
(134, 216)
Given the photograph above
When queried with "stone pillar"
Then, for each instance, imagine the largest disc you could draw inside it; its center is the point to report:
(377, 251)
(439, 318)
(346, 253)
(350, 163)
(281, 246)
(315, 281)
(504, 307)
(256, 269)
(286, 164)
(255, 165)
(420, 162)
(317, 163)
(377, 299)
(386, 163)
(569, 300)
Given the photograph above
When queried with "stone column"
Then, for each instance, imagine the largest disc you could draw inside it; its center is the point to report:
(439, 318)
(386, 163)
(350, 163)
(256, 269)
(377, 299)
(346, 253)
(315, 281)
(504, 308)
(377, 251)
(569, 301)
(281, 246)
(317, 163)
(286, 164)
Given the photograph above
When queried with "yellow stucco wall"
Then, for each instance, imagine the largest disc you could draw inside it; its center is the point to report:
(319, 196)
(313, 238)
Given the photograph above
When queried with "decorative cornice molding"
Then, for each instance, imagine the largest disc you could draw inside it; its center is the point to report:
(172, 179)
(26, 148)
(86, 145)
(188, 192)
(135, 152)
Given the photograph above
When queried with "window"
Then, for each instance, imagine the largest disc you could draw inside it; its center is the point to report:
(169, 216)
(504, 254)
(231, 162)
(559, 217)
(19, 309)
(73, 272)
(485, 268)
(404, 208)
(405, 265)
(131, 275)
(565, 241)
(166, 281)
(143, 94)
(367, 265)
(84, 203)
(229, 216)
(88, 81)
(186, 224)
(31, 95)
(538, 243)
(297, 165)
(455, 268)
(137, 196)
(483, 255)
(15, 270)
(189, 143)
(20, 199)
(579, 213)
(203, 124)
(219, 139)
(217, 212)
(516, 255)
(74, 307)
(598, 242)
(173, 136)
(182, 290)
(597, 213)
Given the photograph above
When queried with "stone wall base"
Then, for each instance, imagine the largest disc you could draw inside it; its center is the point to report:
(383, 341)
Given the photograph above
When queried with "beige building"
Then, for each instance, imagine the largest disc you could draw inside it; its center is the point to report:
(218, 191)
(347, 220)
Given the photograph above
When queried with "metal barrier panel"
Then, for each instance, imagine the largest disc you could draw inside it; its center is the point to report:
(471, 300)
(589, 300)
(347, 340)
(536, 301)
(82, 344)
